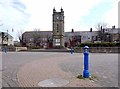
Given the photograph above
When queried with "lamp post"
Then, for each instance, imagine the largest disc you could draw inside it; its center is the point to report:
(7, 37)
(2, 38)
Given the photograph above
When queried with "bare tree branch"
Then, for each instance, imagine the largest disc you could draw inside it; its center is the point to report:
(1, 23)
(100, 25)
(19, 34)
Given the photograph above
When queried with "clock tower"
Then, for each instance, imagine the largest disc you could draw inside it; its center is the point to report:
(58, 29)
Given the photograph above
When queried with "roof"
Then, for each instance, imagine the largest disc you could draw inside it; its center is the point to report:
(39, 33)
(77, 33)
(9, 36)
(113, 30)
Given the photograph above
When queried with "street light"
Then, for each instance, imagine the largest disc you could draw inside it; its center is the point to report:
(7, 37)
(2, 38)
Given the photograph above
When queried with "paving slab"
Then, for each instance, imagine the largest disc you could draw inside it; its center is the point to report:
(29, 68)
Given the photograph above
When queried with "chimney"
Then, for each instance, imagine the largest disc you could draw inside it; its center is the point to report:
(101, 28)
(90, 29)
(72, 30)
(113, 27)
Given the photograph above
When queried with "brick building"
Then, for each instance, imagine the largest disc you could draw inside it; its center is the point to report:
(37, 38)
(58, 38)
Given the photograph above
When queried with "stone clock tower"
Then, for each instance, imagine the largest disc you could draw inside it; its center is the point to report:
(58, 29)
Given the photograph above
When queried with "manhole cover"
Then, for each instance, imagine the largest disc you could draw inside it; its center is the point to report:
(53, 82)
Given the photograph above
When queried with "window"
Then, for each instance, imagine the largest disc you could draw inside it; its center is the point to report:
(57, 28)
(57, 17)
(57, 42)
(31, 39)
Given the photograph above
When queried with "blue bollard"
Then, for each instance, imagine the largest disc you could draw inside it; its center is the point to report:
(72, 50)
(5, 49)
(86, 66)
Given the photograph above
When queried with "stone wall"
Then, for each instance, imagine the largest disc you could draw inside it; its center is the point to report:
(21, 48)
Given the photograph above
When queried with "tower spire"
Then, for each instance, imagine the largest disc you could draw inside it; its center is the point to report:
(54, 9)
(62, 10)
(58, 28)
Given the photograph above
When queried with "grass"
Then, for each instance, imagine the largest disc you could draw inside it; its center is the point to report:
(92, 77)
(80, 77)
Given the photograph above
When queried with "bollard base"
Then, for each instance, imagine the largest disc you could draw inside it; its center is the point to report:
(86, 74)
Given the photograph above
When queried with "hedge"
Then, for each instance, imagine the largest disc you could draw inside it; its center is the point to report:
(103, 44)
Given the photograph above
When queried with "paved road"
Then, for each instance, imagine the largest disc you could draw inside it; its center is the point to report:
(12, 61)
(103, 66)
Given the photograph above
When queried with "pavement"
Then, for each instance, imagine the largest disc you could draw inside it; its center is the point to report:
(34, 72)
(27, 69)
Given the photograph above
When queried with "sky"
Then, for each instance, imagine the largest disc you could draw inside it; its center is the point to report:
(80, 15)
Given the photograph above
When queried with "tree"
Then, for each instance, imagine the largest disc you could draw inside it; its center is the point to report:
(19, 35)
(36, 29)
(1, 23)
(4, 37)
(37, 37)
(101, 26)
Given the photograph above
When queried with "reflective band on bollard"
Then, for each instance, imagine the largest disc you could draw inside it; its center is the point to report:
(86, 63)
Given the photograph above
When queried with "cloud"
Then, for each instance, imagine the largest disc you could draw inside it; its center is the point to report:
(111, 16)
(19, 6)
(41, 12)
(30, 14)
(13, 14)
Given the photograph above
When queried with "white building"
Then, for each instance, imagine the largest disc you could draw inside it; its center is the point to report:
(5, 41)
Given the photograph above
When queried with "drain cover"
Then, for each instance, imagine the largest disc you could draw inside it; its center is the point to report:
(53, 82)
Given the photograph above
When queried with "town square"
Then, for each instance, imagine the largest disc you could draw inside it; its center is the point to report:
(27, 69)
(59, 44)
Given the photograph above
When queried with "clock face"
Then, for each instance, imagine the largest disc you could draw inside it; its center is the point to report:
(57, 17)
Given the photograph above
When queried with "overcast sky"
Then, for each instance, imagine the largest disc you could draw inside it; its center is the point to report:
(80, 15)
